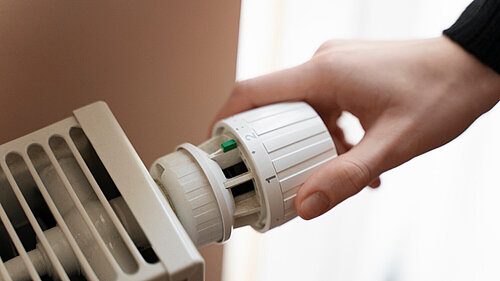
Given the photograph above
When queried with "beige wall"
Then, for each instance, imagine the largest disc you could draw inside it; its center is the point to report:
(164, 68)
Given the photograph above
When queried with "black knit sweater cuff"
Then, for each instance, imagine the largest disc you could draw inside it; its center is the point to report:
(477, 30)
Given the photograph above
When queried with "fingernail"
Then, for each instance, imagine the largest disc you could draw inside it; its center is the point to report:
(314, 205)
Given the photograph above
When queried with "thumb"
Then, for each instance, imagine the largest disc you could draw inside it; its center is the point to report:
(339, 179)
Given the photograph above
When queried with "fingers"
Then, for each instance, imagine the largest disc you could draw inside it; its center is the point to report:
(343, 146)
(375, 183)
(287, 85)
(340, 178)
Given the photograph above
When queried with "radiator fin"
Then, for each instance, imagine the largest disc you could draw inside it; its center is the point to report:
(31, 217)
(59, 216)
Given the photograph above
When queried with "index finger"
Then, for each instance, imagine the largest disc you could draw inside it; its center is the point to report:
(291, 84)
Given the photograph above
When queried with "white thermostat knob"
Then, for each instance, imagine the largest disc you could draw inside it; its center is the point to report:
(248, 173)
(282, 144)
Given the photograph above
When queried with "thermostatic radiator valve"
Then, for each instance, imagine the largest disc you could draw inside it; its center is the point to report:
(77, 202)
(248, 173)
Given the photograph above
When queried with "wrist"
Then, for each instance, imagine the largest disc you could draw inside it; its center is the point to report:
(476, 31)
(471, 77)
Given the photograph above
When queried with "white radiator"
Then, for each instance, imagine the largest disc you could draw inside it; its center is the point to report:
(61, 184)
(77, 203)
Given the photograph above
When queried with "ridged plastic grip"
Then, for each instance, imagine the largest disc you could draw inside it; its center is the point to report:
(283, 143)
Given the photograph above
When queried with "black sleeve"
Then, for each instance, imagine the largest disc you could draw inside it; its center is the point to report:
(477, 30)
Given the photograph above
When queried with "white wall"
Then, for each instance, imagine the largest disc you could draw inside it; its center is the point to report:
(434, 218)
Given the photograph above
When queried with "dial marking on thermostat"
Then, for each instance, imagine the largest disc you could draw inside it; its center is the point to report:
(270, 178)
(251, 137)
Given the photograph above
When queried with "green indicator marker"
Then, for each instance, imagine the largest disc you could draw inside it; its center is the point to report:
(228, 145)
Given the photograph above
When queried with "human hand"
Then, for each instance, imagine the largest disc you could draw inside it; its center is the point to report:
(409, 96)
